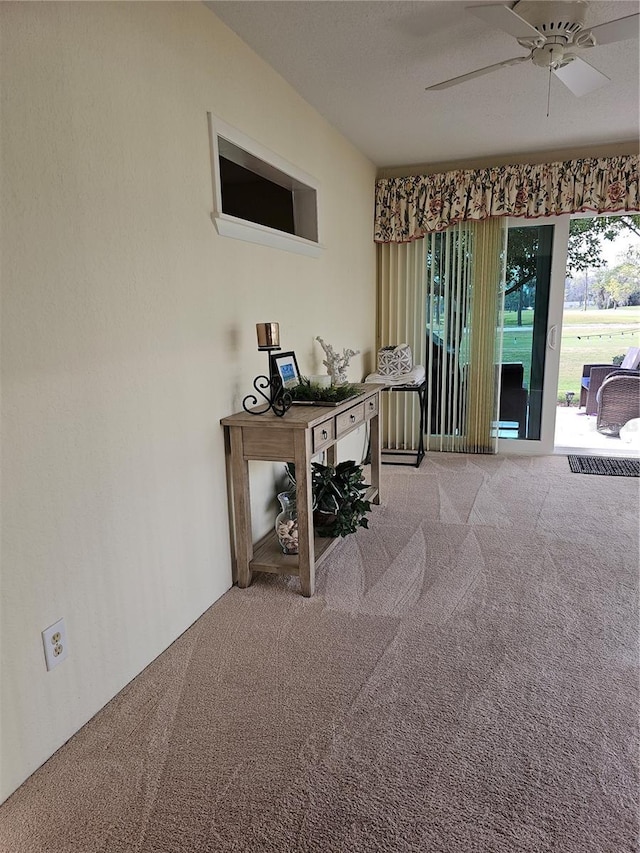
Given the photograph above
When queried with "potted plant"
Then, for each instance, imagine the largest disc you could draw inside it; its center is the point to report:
(338, 497)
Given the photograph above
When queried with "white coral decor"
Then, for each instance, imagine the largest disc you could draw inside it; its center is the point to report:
(337, 364)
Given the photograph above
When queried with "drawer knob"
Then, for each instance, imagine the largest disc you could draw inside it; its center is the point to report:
(325, 434)
(352, 418)
(371, 404)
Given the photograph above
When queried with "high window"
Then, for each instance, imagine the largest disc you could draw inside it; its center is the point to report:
(258, 196)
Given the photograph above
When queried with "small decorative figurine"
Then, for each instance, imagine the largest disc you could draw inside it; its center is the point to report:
(337, 364)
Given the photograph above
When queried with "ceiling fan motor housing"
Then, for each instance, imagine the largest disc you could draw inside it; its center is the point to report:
(559, 21)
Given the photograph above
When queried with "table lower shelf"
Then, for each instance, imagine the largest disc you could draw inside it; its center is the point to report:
(268, 556)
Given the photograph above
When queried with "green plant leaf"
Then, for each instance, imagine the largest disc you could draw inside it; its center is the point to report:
(306, 392)
(337, 491)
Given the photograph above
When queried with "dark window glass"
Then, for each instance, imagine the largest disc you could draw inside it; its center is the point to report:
(254, 198)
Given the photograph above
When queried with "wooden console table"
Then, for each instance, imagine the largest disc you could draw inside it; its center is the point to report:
(300, 434)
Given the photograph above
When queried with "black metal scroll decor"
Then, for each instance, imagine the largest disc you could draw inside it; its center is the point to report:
(277, 399)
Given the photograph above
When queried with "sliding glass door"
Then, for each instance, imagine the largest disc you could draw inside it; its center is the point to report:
(531, 318)
(464, 271)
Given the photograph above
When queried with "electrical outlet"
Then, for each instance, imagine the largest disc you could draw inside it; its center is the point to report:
(56, 645)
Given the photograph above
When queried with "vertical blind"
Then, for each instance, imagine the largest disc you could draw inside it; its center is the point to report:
(442, 295)
(402, 319)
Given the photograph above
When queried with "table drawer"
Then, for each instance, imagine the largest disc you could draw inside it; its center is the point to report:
(349, 420)
(371, 407)
(323, 434)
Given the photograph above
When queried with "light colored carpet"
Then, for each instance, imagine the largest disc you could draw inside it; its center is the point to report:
(465, 679)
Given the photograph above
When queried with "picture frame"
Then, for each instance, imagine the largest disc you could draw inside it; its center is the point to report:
(285, 366)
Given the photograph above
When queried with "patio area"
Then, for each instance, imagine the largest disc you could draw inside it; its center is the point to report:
(576, 433)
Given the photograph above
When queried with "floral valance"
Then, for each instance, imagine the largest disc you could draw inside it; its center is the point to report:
(408, 208)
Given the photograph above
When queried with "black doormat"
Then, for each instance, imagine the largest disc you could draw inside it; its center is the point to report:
(604, 465)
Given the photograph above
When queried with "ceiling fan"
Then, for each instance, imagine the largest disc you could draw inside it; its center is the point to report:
(554, 33)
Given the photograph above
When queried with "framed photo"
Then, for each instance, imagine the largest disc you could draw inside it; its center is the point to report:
(284, 365)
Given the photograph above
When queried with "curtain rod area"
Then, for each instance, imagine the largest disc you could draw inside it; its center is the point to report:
(614, 149)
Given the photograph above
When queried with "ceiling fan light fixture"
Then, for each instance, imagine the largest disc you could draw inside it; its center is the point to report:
(548, 56)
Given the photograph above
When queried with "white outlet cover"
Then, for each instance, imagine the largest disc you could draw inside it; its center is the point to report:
(56, 645)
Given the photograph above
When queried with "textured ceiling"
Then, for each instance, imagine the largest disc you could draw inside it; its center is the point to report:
(365, 65)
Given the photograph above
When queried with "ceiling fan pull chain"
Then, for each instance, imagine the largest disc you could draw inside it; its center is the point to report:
(549, 93)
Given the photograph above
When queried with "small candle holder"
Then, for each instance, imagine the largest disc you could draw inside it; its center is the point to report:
(323, 381)
(268, 336)
(270, 387)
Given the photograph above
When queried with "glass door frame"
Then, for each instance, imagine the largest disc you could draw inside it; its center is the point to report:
(545, 444)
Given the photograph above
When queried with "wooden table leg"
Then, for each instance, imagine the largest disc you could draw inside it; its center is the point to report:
(241, 508)
(304, 503)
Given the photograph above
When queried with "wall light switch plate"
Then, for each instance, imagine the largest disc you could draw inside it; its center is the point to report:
(56, 646)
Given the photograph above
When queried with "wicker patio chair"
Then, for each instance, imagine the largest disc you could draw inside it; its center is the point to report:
(593, 375)
(618, 401)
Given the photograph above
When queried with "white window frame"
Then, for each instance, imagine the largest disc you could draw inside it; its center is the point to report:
(305, 189)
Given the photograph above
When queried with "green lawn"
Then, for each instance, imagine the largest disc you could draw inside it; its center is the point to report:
(594, 337)
(588, 337)
(516, 346)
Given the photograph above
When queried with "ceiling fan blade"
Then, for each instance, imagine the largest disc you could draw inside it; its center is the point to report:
(463, 77)
(581, 78)
(504, 18)
(618, 30)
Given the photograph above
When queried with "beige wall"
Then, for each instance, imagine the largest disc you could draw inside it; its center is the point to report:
(129, 331)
